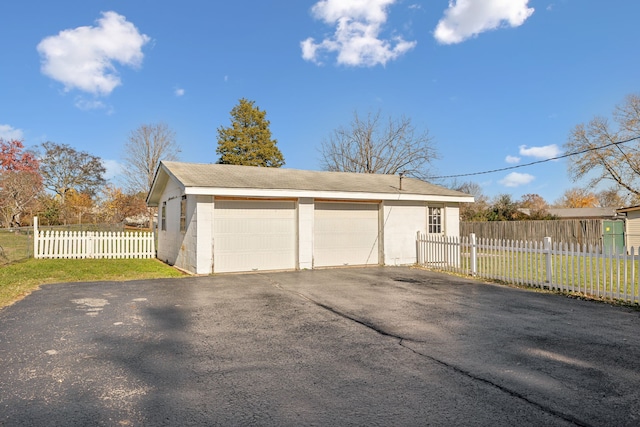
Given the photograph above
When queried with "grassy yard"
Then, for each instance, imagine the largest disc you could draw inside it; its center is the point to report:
(18, 279)
(615, 277)
(15, 245)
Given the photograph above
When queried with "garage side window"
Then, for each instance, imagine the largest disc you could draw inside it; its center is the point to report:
(435, 220)
(163, 217)
(183, 213)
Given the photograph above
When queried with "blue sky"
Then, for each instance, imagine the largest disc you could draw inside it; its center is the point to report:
(497, 83)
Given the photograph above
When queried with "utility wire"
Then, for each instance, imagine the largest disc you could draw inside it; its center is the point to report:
(536, 162)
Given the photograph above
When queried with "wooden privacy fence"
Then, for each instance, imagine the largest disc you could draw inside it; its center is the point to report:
(581, 231)
(92, 244)
(551, 265)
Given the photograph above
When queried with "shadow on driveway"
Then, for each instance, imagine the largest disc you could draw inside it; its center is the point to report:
(371, 346)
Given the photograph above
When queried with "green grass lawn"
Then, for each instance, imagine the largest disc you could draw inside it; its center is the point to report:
(18, 279)
(14, 245)
(596, 276)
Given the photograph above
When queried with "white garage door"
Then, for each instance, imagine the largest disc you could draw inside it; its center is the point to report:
(345, 234)
(254, 235)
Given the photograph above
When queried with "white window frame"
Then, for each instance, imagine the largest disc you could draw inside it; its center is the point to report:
(435, 217)
(163, 216)
(183, 213)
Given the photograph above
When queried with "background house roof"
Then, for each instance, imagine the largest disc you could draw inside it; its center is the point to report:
(248, 177)
(628, 209)
(583, 213)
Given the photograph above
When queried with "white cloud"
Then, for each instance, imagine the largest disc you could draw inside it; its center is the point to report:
(8, 133)
(468, 18)
(84, 57)
(89, 104)
(179, 92)
(357, 39)
(515, 179)
(512, 159)
(113, 167)
(546, 152)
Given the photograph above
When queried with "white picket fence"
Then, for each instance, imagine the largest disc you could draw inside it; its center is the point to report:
(551, 265)
(92, 244)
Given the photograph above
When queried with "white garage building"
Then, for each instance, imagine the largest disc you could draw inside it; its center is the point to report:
(222, 218)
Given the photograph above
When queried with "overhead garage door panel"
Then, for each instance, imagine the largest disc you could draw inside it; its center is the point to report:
(345, 234)
(254, 235)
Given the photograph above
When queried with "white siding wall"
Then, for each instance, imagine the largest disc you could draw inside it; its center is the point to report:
(187, 252)
(204, 224)
(402, 220)
(305, 233)
(632, 230)
(451, 220)
(170, 240)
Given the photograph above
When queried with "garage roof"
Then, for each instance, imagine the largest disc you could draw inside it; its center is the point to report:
(207, 178)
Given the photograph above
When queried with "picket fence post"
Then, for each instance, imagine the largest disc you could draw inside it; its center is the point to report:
(36, 237)
(473, 254)
(549, 260)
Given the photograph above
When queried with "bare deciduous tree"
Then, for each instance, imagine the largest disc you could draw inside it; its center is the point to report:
(614, 198)
(603, 157)
(371, 146)
(19, 191)
(64, 168)
(20, 182)
(146, 147)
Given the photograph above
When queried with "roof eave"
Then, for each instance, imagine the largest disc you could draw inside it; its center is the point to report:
(342, 195)
(159, 183)
(628, 209)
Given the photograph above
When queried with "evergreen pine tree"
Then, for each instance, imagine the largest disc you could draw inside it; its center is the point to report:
(248, 140)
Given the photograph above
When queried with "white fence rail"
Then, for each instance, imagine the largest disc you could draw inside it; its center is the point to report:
(550, 265)
(91, 244)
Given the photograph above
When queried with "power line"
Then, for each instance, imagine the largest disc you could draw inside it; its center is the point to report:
(536, 162)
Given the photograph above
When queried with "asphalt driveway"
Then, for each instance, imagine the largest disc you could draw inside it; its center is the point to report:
(372, 346)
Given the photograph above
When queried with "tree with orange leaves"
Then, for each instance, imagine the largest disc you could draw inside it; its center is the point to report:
(118, 205)
(77, 205)
(577, 198)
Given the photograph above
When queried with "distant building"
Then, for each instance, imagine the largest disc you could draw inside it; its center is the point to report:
(584, 213)
(631, 226)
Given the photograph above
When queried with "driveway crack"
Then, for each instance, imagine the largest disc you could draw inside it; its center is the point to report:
(493, 384)
(402, 341)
